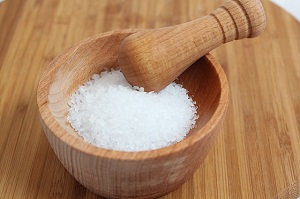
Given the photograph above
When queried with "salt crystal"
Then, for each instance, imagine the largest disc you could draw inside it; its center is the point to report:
(110, 113)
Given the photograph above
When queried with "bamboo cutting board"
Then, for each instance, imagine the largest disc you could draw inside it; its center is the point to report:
(257, 154)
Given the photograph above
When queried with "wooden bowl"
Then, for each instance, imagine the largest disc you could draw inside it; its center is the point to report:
(117, 174)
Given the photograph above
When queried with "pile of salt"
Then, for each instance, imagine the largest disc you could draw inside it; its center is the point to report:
(108, 112)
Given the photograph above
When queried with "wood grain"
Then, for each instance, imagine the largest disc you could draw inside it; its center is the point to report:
(257, 154)
(154, 58)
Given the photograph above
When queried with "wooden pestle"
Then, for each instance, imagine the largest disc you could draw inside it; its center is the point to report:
(154, 58)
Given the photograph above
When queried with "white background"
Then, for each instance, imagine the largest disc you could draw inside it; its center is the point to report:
(291, 6)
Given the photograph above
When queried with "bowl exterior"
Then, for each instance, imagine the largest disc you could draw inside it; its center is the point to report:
(148, 178)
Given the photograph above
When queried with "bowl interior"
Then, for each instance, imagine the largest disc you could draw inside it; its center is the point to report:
(77, 64)
(204, 86)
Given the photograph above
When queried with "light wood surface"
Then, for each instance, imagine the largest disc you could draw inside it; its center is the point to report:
(257, 153)
(154, 58)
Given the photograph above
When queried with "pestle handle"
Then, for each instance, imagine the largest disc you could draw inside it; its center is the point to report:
(154, 58)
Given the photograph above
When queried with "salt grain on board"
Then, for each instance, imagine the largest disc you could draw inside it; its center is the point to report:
(108, 112)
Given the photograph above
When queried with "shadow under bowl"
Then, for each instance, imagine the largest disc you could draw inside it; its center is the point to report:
(118, 174)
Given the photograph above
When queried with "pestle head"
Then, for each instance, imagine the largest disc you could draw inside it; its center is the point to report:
(154, 58)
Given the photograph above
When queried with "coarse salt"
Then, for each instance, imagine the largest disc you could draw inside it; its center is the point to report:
(108, 112)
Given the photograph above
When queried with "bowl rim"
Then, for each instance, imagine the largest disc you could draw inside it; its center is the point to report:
(78, 144)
